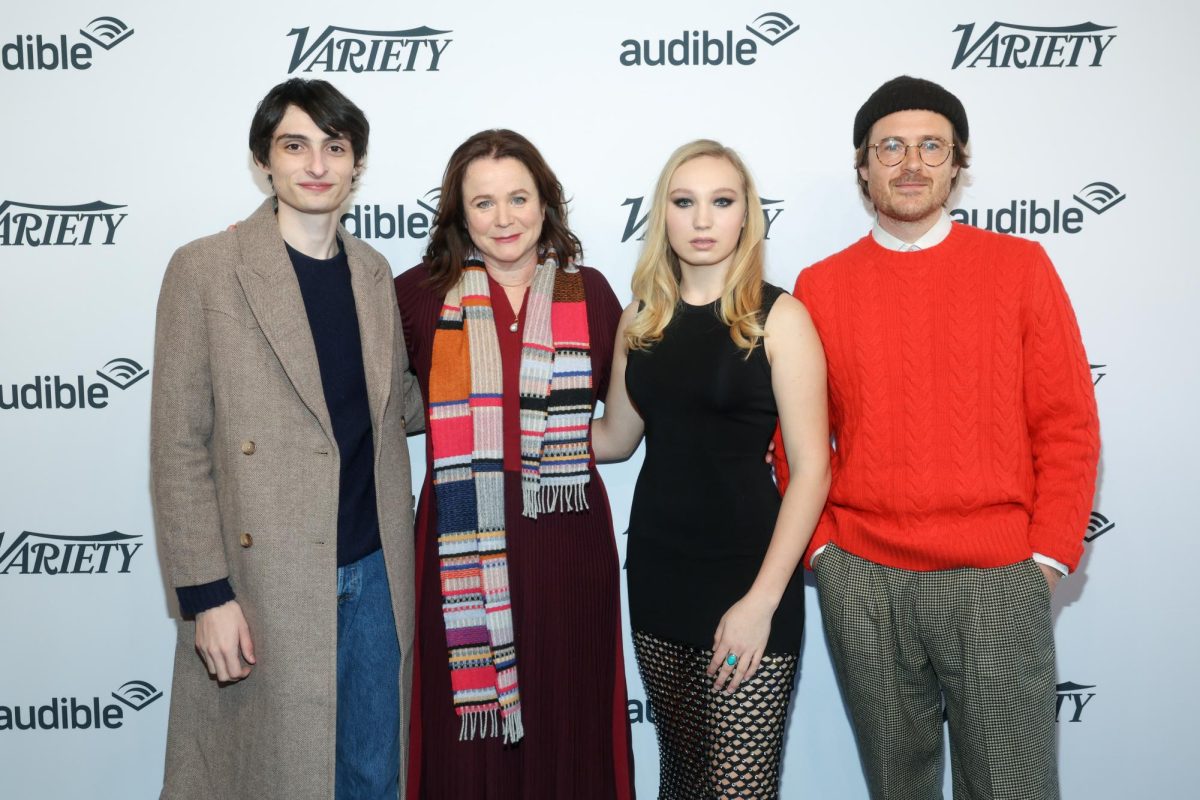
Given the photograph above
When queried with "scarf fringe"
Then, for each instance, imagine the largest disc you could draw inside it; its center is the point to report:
(486, 723)
(514, 729)
(549, 499)
(480, 724)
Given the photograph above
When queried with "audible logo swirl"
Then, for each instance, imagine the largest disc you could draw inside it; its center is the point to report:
(79, 713)
(707, 48)
(338, 49)
(34, 52)
(1097, 526)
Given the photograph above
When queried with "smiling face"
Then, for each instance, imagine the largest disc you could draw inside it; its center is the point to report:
(503, 212)
(311, 171)
(909, 193)
(706, 208)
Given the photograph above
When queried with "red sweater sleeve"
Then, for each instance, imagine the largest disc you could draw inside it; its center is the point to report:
(1060, 408)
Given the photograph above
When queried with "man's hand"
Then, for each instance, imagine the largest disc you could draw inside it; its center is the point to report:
(223, 642)
(1051, 575)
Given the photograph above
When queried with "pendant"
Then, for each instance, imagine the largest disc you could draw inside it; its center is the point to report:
(513, 327)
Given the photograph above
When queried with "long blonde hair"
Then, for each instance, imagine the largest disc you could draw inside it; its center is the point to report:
(656, 278)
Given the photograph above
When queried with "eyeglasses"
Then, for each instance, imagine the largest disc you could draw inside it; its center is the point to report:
(892, 151)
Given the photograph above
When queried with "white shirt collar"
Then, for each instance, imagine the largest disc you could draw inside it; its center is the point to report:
(932, 237)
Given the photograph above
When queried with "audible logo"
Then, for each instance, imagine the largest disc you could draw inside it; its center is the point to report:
(708, 48)
(1036, 217)
(79, 713)
(57, 392)
(37, 52)
(378, 222)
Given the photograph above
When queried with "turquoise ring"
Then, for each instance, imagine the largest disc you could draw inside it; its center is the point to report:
(731, 660)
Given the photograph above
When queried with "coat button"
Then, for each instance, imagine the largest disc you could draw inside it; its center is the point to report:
(246, 540)
(248, 447)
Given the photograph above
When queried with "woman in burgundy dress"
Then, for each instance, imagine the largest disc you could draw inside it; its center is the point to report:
(519, 689)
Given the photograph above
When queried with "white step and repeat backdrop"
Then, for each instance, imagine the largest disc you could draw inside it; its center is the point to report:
(124, 136)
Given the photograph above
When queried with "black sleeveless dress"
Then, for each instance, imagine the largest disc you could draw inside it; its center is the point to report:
(703, 514)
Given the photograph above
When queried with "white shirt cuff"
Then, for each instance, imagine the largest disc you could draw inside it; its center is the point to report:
(1050, 562)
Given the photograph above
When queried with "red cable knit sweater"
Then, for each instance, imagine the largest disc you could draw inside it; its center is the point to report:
(961, 404)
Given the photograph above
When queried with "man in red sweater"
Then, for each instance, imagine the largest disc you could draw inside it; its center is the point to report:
(966, 449)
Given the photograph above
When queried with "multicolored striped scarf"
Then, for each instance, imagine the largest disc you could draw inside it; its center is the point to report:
(466, 430)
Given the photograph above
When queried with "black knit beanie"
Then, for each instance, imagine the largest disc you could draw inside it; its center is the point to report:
(909, 94)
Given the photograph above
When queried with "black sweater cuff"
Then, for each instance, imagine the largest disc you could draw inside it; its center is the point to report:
(194, 599)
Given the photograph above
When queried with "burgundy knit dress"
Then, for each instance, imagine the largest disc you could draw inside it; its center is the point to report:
(563, 574)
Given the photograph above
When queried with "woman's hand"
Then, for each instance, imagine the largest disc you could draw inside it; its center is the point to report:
(742, 632)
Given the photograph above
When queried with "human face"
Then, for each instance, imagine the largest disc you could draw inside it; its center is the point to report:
(504, 212)
(909, 193)
(311, 171)
(706, 208)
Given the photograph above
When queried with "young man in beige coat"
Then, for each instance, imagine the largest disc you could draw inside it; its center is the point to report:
(281, 482)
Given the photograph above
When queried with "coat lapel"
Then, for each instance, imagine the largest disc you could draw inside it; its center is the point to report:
(270, 286)
(376, 306)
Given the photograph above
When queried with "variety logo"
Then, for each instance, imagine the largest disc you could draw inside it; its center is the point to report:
(1070, 702)
(32, 553)
(1098, 525)
(79, 713)
(373, 222)
(53, 392)
(1032, 216)
(708, 48)
(28, 51)
(338, 49)
(1003, 44)
(40, 225)
(636, 220)
(1097, 375)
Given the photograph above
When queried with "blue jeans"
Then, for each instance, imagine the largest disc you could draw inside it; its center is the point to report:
(368, 675)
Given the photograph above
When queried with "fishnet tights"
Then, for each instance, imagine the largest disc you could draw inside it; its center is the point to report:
(711, 744)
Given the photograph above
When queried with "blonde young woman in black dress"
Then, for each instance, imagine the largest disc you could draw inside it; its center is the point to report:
(708, 359)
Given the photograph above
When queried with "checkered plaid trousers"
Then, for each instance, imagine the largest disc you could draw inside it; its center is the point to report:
(981, 639)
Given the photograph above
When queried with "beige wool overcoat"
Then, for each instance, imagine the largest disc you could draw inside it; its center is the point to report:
(245, 472)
